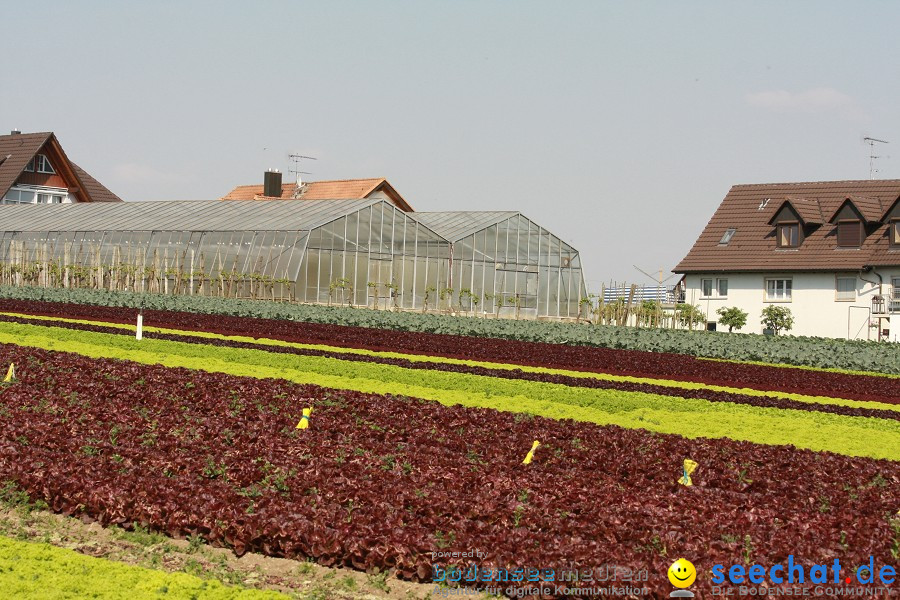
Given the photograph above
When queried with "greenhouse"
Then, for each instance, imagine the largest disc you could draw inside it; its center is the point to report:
(517, 267)
(353, 252)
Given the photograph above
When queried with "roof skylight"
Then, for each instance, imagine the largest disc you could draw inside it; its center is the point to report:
(726, 237)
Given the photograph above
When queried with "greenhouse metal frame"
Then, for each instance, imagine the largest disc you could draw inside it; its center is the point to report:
(354, 252)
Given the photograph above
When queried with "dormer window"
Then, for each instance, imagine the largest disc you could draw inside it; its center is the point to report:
(788, 235)
(40, 164)
(793, 220)
(849, 234)
(895, 233)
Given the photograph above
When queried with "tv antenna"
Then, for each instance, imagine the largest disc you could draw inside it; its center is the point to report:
(871, 142)
(296, 158)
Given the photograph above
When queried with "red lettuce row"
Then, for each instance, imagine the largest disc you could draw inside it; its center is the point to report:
(622, 362)
(384, 481)
(702, 394)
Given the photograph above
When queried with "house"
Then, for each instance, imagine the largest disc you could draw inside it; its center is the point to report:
(828, 251)
(274, 189)
(34, 169)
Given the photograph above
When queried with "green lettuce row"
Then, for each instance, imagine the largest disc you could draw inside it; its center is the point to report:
(672, 383)
(842, 355)
(854, 436)
(31, 570)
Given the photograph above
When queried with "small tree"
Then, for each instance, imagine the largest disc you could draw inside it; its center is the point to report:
(340, 284)
(732, 317)
(585, 305)
(690, 315)
(429, 290)
(777, 318)
(471, 300)
(373, 286)
(447, 294)
(391, 289)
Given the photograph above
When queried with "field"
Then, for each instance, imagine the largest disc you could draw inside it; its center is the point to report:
(415, 444)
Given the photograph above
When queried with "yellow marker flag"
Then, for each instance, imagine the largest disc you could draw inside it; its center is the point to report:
(304, 420)
(689, 467)
(530, 454)
(11, 374)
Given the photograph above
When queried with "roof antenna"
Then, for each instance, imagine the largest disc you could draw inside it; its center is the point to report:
(871, 142)
(296, 158)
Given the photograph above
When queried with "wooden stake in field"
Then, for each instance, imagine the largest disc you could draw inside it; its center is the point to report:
(630, 301)
(139, 332)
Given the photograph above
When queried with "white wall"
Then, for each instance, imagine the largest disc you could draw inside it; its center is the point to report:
(813, 302)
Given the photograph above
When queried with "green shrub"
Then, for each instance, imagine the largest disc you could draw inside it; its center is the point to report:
(777, 318)
(732, 317)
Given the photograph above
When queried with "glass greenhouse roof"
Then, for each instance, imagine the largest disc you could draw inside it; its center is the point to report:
(213, 215)
(456, 225)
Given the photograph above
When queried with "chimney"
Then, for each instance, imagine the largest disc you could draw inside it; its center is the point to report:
(15, 132)
(272, 183)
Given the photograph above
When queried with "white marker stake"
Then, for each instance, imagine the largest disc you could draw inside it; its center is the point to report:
(139, 334)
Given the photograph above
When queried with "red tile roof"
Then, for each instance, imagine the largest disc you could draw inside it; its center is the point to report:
(96, 190)
(323, 190)
(808, 209)
(753, 246)
(17, 150)
(255, 192)
(342, 188)
(869, 208)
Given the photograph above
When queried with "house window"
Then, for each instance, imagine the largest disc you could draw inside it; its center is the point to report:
(726, 237)
(713, 288)
(845, 288)
(778, 290)
(36, 195)
(41, 164)
(895, 233)
(849, 234)
(789, 235)
(722, 287)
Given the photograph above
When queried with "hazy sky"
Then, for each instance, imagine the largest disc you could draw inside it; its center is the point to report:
(620, 126)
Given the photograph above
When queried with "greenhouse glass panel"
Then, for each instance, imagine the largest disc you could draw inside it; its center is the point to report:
(351, 227)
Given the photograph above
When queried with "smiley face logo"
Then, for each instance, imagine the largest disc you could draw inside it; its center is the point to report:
(682, 573)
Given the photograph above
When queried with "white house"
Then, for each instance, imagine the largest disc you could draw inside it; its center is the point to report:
(829, 251)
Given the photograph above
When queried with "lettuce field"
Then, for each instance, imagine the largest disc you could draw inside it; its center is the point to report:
(415, 445)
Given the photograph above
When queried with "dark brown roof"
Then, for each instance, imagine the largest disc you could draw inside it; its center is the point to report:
(870, 208)
(748, 209)
(324, 190)
(17, 150)
(96, 190)
(808, 209)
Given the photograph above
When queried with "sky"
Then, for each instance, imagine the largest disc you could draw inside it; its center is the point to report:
(619, 126)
